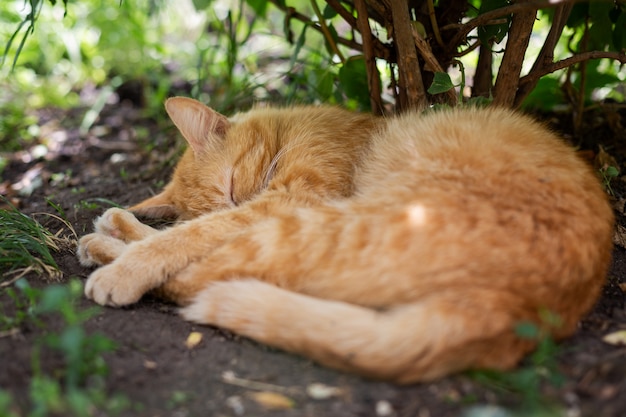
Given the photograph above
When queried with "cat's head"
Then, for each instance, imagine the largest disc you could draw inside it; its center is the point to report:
(224, 164)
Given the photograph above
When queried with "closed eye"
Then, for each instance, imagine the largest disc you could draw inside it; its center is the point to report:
(231, 196)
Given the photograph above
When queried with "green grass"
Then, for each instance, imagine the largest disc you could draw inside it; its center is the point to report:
(25, 246)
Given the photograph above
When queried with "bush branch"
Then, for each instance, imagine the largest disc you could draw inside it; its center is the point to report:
(291, 13)
(534, 76)
(373, 76)
(381, 50)
(343, 12)
(546, 55)
(326, 32)
(411, 86)
(507, 81)
(485, 18)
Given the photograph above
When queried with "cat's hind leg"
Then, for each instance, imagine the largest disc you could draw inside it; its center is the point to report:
(419, 341)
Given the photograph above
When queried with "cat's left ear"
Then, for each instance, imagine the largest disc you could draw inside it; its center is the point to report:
(199, 124)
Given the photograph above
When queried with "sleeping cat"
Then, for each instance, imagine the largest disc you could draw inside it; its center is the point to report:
(403, 249)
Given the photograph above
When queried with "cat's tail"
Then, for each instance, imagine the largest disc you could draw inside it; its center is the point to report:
(441, 334)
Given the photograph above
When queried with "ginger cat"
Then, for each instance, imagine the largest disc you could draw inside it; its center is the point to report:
(402, 249)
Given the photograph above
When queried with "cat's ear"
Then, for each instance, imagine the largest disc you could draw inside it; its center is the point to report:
(158, 207)
(199, 124)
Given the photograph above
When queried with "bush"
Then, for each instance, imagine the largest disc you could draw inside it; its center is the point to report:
(371, 54)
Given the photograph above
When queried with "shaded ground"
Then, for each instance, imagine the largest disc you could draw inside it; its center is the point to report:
(126, 157)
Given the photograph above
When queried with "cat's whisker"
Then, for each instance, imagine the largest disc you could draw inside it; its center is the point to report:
(269, 172)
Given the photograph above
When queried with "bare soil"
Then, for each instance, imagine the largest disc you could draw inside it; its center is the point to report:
(126, 157)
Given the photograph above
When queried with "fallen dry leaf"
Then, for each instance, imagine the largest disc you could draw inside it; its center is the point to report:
(619, 236)
(618, 205)
(615, 338)
(319, 391)
(604, 160)
(236, 404)
(193, 340)
(229, 377)
(272, 400)
(384, 408)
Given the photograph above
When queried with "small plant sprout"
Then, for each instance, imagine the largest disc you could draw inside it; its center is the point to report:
(541, 367)
(608, 174)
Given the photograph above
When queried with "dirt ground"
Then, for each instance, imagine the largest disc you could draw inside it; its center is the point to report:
(126, 157)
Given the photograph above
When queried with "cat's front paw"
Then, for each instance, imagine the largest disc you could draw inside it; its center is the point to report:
(123, 225)
(97, 249)
(112, 286)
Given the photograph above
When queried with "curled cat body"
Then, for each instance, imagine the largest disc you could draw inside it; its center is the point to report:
(402, 248)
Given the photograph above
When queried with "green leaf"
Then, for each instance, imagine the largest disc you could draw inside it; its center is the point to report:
(259, 6)
(546, 95)
(46, 395)
(71, 342)
(577, 17)
(99, 343)
(55, 298)
(611, 172)
(335, 36)
(496, 33)
(299, 44)
(22, 284)
(325, 84)
(441, 83)
(201, 4)
(527, 330)
(329, 12)
(598, 77)
(7, 404)
(600, 33)
(619, 33)
(599, 10)
(353, 81)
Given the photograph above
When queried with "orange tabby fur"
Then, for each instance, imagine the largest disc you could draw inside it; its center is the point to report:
(403, 249)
